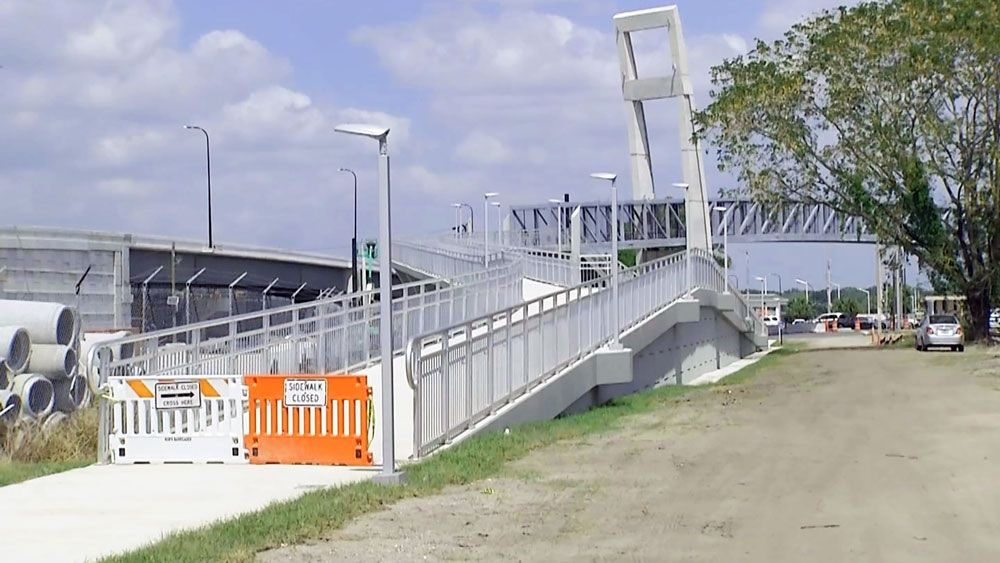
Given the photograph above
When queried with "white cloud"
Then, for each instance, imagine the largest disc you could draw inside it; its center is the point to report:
(93, 120)
(480, 148)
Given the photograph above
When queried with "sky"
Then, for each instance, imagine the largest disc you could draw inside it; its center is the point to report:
(515, 96)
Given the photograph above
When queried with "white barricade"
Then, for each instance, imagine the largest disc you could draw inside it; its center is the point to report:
(177, 419)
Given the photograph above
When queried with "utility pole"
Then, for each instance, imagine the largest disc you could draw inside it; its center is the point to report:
(829, 282)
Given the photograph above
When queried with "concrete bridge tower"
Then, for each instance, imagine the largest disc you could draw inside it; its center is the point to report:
(637, 89)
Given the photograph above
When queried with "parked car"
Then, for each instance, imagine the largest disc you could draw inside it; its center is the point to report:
(834, 317)
(868, 322)
(799, 321)
(942, 331)
(845, 322)
(770, 321)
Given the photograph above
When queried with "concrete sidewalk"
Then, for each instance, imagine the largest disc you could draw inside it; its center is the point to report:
(88, 513)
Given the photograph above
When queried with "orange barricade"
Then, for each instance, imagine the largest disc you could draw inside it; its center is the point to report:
(308, 419)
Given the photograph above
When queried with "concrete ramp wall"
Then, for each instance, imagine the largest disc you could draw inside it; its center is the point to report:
(683, 341)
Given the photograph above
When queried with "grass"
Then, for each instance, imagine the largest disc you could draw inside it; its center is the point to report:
(319, 512)
(29, 451)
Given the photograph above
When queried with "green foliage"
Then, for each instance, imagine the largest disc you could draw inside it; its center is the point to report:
(627, 257)
(848, 306)
(798, 308)
(887, 111)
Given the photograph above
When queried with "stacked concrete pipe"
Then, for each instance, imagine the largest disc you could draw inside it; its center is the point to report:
(10, 407)
(46, 323)
(39, 362)
(15, 348)
(36, 392)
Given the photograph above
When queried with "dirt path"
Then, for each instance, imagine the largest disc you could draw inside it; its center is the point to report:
(835, 456)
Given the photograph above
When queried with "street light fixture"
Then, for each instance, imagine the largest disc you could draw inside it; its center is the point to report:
(354, 237)
(615, 323)
(868, 297)
(486, 226)
(805, 283)
(208, 166)
(725, 240)
(389, 475)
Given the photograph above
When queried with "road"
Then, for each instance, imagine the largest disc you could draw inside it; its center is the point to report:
(833, 456)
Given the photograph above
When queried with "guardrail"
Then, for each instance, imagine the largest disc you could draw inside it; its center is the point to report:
(465, 372)
(328, 336)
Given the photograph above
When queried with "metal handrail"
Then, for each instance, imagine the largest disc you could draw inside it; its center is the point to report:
(544, 335)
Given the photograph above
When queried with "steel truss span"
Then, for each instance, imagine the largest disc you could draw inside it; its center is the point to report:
(661, 223)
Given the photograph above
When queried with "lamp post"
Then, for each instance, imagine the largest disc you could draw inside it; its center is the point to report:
(486, 226)
(868, 298)
(781, 320)
(354, 237)
(458, 218)
(763, 290)
(389, 475)
(725, 241)
(499, 207)
(615, 323)
(805, 283)
(731, 277)
(559, 227)
(687, 254)
(208, 166)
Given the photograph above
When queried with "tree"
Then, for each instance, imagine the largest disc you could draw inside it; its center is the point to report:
(848, 306)
(798, 308)
(885, 111)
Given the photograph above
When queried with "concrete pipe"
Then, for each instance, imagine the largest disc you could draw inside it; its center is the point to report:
(10, 407)
(37, 397)
(5, 375)
(46, 323)
(53, 361)
(70, 394)
(52, 421)
(15, 348)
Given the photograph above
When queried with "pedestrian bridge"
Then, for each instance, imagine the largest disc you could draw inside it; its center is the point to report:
(661, 223)
(475, 348)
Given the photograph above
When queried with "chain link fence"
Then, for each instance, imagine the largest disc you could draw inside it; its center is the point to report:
(153, 308)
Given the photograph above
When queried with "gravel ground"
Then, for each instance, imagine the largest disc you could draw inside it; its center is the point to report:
(834, 456)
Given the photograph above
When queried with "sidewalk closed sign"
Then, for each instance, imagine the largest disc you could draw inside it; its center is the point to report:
(305, 392)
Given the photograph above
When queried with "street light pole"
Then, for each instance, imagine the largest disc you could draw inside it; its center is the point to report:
(615, 322)
(781, 321)
(208, 166)
(868, 298)
(725, 242)
(389, 475)
(486, 226)
(837, 285)
(354, 237)
(805, 283)
(458, 218)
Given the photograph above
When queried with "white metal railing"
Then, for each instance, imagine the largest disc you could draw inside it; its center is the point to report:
(445, 253)
(329, 336)
(463, 373)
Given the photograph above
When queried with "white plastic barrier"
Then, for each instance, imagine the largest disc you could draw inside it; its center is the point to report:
(177, 420)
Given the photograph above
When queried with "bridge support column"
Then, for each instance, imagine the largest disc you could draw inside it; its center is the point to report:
(636, 90)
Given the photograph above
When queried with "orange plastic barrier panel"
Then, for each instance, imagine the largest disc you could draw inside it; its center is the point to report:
(308, 419)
